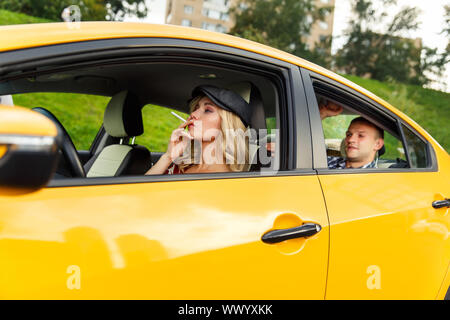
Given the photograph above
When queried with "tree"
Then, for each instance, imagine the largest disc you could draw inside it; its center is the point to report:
(283, 24)
(446, 32)
(91, 10)
(385, 54)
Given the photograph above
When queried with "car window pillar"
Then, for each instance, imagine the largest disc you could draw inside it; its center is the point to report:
(319, 154)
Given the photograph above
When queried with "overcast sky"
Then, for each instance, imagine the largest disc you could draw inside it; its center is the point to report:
(431, 19)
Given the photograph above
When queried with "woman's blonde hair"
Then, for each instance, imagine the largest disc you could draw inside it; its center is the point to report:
(235, 142)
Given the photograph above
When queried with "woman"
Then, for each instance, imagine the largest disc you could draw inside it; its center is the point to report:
(216, 137)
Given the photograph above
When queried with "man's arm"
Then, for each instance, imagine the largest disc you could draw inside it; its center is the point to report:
(329, 109)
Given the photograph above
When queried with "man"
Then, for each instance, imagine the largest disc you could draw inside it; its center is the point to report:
(362, 141)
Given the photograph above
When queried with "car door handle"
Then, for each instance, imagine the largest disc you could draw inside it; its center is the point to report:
(441, 203)
(278, 235)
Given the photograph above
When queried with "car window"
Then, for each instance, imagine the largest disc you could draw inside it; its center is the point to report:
(334, 129)
(417, 149)
(158, 126)
(335, 123)
(80, 114)
(159, 123)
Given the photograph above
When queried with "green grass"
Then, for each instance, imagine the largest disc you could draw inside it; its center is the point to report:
(8, 17)
(81, 115)
(158, 126)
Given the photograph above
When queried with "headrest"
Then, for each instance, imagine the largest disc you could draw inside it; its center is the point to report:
(6, 100)
(251, 94)
(123, 117)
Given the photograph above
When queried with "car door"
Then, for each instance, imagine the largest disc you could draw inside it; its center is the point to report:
(387, 241)
(174, 237)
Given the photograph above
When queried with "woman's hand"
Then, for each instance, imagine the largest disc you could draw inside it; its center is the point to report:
(178, 142)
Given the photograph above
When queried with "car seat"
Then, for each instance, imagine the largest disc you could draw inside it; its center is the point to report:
(123, 120)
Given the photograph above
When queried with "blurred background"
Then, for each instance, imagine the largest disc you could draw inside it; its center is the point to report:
(398, 49)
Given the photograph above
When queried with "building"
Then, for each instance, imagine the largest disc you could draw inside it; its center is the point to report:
(320, 30)
(213, 15)
(205, 14)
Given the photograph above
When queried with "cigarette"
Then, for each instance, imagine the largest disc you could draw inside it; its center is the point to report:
(177, 116)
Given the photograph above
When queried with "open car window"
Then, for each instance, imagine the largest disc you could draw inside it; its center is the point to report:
(79, 97)
(334, 129)
(398, 139)
(80, 114)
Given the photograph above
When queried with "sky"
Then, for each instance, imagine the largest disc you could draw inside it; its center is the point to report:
(431, 23)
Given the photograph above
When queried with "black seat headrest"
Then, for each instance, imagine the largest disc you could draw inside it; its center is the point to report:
(123, 116)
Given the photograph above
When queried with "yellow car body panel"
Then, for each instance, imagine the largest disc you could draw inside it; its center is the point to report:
(25, 122)
(164, 240)
(386, 234)
(386, 237)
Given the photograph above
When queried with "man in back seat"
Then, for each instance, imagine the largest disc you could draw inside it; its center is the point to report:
(362, 141)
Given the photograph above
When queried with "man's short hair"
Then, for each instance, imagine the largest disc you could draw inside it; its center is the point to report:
(367, 122)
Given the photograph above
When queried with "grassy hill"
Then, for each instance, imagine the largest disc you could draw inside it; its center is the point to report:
(8, 17)
(429, 108)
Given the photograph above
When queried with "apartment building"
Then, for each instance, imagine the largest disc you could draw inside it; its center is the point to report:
(213, 15)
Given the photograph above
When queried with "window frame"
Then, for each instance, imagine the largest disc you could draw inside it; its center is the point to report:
(78, 53)
(376, 109)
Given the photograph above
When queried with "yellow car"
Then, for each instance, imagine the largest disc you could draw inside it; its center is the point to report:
(83, 224)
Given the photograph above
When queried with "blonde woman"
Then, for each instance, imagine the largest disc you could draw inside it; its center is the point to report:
(216, 139)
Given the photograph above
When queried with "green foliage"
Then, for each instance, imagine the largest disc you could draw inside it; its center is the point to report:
(446, 32)
(386, 56)
(283, 24)
(91, 10)
(118, 9)
(8, 17)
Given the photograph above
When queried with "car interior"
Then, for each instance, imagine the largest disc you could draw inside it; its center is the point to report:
(132, 86)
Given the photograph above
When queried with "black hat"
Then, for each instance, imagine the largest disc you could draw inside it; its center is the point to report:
(227, 100)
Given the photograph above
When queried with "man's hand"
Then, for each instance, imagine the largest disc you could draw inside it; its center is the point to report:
(329, 109)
